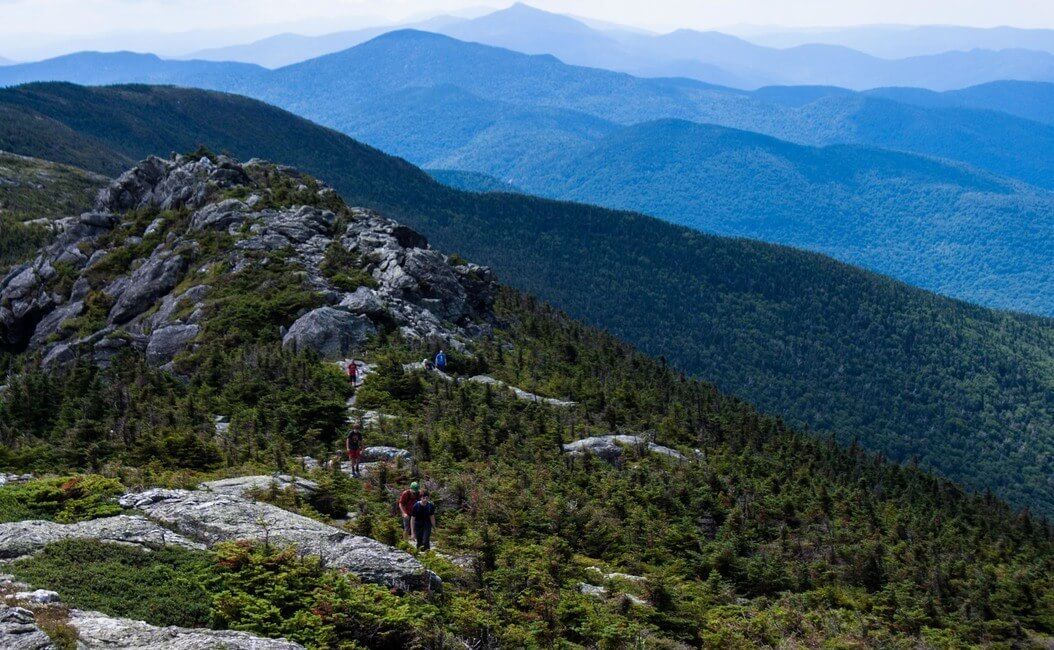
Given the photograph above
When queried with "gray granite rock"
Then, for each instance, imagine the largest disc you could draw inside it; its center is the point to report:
(19, 630)
(21, 538)
(168, 341)
(332, 333)
(520, 393)
(100, 631)
(610, 448)
(211, 518)
(243, 485)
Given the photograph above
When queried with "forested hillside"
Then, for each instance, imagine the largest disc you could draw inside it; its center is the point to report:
(709, 525)
(36, 191)
(939, 226)
(963, 390)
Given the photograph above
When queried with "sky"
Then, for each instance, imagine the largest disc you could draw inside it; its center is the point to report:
(25, 24)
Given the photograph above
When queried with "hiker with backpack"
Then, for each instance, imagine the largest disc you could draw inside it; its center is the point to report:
(353, 445)
(422, 521)
(353, 372)
(407, 500)
(440, 361)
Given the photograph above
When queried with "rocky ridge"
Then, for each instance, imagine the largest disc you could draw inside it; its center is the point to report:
(137, 272)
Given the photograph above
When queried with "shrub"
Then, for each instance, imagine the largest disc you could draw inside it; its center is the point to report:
(66, 499)
(163, 587)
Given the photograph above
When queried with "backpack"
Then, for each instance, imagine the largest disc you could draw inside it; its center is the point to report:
(441, 360)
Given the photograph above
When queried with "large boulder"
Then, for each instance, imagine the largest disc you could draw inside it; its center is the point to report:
(332, 333)
(211, 518)
(384, 454)
(97, 630)
(610, 448)
(19, 630)
(21, 538)
(168, 341)
(155, 278)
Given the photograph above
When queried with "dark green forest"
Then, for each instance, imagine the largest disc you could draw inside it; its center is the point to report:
(763, 535)
(964, 391)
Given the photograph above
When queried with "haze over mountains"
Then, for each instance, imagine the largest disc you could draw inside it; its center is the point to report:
(708, 56)
(896, 41)
(531, 121)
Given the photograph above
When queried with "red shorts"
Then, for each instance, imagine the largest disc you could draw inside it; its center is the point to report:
(354, 454)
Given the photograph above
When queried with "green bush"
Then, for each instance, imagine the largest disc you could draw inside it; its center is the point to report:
(278, 593)
(163, 587)
(66, 499)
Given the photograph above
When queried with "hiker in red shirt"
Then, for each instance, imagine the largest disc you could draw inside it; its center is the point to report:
(353, 444)
(353, 372)
(406, 505)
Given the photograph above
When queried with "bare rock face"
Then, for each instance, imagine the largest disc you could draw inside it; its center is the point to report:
(149, 282)
(211, 518)
(610, 448)
(21, 538)
(379, 453)
(19, 631)
(168, 341)
(332, 333)
(100, 631)
(169, 184)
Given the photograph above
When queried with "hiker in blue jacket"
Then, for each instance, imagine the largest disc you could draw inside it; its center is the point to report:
(441, 361)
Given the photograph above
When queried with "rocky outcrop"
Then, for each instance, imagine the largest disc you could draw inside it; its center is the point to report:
(211, 518)
(243, 485)
(21, 538)
(332, 333)
(610, 448)
(158, 276)
(169, 184)
(19, 630)
(402, 282)
(100, 631)
(384, 454)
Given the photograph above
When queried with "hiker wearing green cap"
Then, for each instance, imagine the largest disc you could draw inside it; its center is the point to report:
(406, 505)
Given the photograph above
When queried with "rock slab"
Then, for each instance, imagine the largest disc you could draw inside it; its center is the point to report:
(19, 631)
(21, 538)
(610, 448)
(100, 631)
(211, 518)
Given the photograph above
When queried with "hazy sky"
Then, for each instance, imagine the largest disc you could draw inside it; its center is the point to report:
(25, 17)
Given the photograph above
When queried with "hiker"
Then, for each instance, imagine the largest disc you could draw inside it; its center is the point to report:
(353, 372)
(406, 505)
(441, 361)
(353, 444)
(422, 521)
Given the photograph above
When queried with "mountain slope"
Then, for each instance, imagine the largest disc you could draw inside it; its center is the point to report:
(702, 523)
(368, 74)
(965, 390)
(96, 68)
(940, 226)
(1028, 100)
(898, 41)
